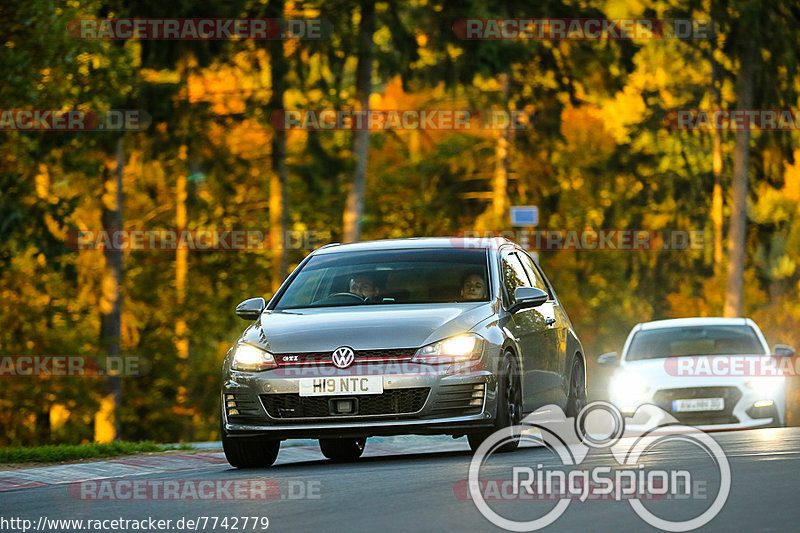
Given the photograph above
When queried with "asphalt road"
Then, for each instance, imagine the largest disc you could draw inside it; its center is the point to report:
(394, 488)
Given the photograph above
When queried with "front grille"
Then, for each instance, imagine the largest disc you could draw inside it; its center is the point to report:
(459, 400)
(364, 356)
(390, 402)
(731, 395)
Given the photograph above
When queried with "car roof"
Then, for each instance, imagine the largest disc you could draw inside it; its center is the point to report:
(695, 321)
(492, 243)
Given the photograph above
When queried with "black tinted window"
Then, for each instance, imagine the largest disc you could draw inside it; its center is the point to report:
(513, 274)
(533, 273)
(388, 277)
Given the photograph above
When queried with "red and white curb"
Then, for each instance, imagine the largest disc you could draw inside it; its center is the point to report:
(56, 475)
(291, 452)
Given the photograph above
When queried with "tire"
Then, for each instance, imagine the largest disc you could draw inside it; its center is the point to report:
(576, 398)
(509, 406)
(342, 450)
(248, 452)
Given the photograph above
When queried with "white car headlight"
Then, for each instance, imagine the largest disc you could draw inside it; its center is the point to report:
(466, 347)
(249, 358)
(628, 390)
(766, 386)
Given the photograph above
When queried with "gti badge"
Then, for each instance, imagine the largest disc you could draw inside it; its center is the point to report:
(343, 357)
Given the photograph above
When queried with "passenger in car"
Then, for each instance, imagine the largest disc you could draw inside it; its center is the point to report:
(473, 286)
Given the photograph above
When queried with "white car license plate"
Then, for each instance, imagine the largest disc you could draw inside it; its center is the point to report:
(338, 386)
(698, 404)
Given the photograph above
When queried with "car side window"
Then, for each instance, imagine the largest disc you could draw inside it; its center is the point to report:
(513, 274)
(534, 273)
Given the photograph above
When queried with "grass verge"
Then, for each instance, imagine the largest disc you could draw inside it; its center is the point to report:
(69, 452)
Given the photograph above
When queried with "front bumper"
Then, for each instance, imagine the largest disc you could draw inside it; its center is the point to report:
(739, 411)
(449, 406)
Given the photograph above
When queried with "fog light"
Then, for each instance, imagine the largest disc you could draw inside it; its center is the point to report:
(231, 404)
(233, 412)
(229, 396)
(763, 403)
(344, 406)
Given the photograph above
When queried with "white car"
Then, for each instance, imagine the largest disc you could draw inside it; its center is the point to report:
(712, 373)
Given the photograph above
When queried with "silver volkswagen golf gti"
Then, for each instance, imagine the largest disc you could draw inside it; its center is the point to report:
(411, 336)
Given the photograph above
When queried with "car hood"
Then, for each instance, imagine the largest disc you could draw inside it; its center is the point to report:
(369, 327)
(698, 371)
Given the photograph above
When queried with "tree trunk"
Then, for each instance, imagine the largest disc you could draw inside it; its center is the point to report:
(105, 424)
(741, 163)
(500, 201)
(278, 208)
(354, 208)
(717, 202)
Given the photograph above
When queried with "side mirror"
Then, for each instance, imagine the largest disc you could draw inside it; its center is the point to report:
(781, 350)
(528, 297)
(608, 359)
(251, 309)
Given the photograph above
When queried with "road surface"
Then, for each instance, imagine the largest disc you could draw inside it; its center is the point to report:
(402, 484)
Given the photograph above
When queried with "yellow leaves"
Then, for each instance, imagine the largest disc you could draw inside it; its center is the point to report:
(624, 8)
(104, 421)
(584, 131)
(109, 293)
(248, 139)
(791, 179)
(784, 267)
(150, 75)
(382, 37)
(58, 232)
(486, 84)
(58, 416)
(627, 108)
(109, 197)
(42, 181)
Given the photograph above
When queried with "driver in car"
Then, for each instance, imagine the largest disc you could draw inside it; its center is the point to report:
(364, 286)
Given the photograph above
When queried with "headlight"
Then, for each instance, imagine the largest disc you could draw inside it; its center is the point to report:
(249, 358)
(764, 386)
(466, 347)
(628, 391)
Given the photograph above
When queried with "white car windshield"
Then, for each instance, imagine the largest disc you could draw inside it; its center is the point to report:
(694, 340)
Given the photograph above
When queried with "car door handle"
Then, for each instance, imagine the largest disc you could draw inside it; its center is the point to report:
(549, 321)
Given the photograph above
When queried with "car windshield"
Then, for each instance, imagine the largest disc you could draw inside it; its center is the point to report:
(389, 277)
(694, 340)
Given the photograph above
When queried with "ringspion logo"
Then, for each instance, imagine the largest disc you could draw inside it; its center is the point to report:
(599, 425)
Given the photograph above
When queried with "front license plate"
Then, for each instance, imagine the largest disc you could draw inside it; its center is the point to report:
(698, 404)
(339, 386)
